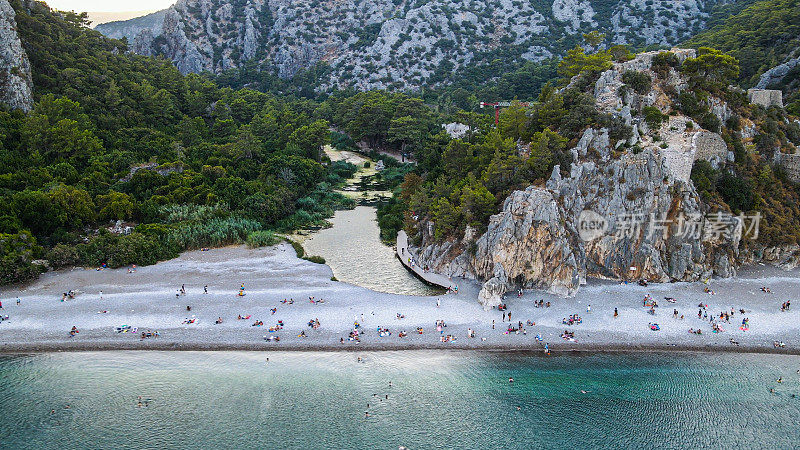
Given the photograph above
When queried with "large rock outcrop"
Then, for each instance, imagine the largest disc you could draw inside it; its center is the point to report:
(16, 84)
(653, 227)
(526, 241)
(776, 75)
(621, 213)
(389, 43)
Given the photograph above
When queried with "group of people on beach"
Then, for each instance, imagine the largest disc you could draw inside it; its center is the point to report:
(573, 319)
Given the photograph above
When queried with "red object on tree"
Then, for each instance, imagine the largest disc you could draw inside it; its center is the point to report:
(498, 105)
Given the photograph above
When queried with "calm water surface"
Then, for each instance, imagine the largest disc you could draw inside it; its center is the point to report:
(353, 250)
(437, 400)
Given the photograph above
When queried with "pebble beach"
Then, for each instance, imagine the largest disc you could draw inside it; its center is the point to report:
(148, 299)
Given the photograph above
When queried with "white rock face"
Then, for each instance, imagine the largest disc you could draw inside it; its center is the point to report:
(574, 12)
(648, 221)
(456, 130)
(375, 44)
(15, 69)
(526, 241)
(777, 73)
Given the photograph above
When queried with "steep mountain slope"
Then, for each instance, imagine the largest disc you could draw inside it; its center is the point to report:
(395, 43)
(766, 39)
(15, 69)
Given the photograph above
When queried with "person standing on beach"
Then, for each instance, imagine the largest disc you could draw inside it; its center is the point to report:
(588, 309)
(101, 296)
(205, 289)
(509, 316)
(504, 317)
(17, 301)
(1, 304)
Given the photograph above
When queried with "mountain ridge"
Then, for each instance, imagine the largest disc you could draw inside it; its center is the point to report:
(395, 43)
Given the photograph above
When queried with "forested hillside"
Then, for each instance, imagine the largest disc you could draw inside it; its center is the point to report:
(472, 177)
(118, 137)
(761, 37)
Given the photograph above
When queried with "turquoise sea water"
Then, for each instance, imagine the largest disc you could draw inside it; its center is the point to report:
(436, 400)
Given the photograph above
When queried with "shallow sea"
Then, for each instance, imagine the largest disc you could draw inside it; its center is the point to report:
(437, 399)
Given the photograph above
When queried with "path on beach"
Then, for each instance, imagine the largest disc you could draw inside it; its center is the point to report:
(410, 261)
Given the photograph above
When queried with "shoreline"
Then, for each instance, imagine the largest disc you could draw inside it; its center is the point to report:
(556, 349)
(146, 300)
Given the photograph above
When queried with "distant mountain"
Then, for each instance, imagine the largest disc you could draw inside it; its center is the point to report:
(99, 17)
(396, 43)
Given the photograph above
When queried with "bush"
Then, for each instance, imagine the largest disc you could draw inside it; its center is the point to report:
(736, 191)
(690, 104)
(640, 82)
(263, 239)
(17, 252)
(653, 117)
(298, 248)
(315, 259)
(663, 61)
(62, 255)
(711, 122)
(343, 169)
(704, 177)
(118, 251)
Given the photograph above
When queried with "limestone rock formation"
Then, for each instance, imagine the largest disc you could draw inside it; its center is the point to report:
(16, 84)
(527, 241)
(631, 215)
(778, 73)
(377, 44)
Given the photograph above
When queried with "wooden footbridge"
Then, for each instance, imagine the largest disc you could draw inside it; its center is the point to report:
(411, 263)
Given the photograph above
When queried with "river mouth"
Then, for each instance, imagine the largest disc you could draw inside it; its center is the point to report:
(352, 246)
(353, 250)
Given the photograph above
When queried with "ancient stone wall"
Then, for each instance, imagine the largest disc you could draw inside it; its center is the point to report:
(710, 147)
(791, 164)
(765, 97)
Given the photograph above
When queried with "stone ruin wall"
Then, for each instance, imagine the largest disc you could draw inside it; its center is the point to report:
(791, 164)
(765, 97)
(686, 147)
(679, 163)
(710, 147)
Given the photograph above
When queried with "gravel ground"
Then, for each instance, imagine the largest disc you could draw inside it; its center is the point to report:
(146, 299)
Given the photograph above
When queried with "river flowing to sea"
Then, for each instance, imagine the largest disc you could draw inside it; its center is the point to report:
(352, 246)
(437, 399)
(354, 251)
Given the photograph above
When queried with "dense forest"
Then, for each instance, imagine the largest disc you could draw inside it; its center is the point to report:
(117, 137)
(760, 37)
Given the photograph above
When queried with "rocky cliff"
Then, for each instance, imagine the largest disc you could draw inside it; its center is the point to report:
(393, 43)
(15, 69)
(626, 211)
